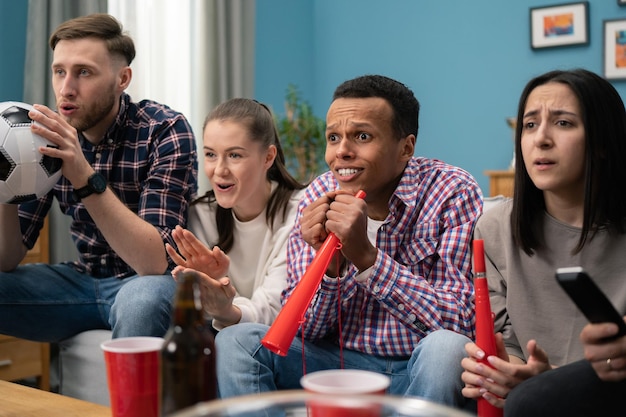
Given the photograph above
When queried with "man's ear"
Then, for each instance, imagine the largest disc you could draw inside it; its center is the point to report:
(125, 74)
(408, 147)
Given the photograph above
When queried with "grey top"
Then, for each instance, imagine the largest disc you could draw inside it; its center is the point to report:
(526, 299)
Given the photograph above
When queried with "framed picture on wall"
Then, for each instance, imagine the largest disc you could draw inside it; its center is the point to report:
(615, 49)
(559, 25)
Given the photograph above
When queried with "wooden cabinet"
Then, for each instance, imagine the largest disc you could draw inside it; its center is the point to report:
(41, 251)
(20, 359)
(501, 182)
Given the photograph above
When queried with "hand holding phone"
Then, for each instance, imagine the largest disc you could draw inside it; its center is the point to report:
(591, 301)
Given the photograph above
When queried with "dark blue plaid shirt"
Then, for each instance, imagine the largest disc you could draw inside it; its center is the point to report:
(149, 159)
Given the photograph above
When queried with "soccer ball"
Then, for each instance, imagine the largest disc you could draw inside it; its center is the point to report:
(25, 174)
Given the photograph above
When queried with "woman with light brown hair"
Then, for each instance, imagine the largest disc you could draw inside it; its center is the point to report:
(238, 231)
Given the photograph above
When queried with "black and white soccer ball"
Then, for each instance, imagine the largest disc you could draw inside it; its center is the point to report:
(25, 174)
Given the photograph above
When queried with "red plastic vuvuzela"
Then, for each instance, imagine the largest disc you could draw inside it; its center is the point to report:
(485, 337)
(281, 333)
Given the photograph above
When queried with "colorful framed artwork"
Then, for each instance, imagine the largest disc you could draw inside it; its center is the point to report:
(615, 49)
(559, 25)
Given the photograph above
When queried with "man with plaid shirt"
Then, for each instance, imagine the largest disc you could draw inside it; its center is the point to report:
(129, 173)
(404, 266)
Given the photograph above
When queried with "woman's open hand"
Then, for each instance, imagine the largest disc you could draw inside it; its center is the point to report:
(195, 255)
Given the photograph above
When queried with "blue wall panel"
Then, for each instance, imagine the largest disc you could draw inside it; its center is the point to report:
(467, 62)
(13, 16)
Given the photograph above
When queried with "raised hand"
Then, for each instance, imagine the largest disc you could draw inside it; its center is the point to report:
(193, 254)
(57, 130)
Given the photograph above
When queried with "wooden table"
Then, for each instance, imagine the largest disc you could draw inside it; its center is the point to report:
(22, 401)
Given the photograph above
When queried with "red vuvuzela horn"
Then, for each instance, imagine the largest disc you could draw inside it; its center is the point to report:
(281, 333)
(485, 337)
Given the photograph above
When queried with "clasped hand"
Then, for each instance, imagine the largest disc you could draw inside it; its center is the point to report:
(494, 382)
(344, 215)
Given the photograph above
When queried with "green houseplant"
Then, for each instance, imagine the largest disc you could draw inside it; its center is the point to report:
(302, 136)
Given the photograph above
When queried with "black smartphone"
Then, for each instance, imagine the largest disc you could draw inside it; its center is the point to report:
(591, 301)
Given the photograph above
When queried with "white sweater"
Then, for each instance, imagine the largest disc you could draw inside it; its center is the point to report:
(258, 258)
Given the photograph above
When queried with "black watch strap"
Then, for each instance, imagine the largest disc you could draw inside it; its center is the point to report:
(96, 183)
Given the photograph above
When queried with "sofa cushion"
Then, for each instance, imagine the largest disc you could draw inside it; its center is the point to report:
(82, 371)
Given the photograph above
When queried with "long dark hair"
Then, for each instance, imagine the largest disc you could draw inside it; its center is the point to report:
(604, 121)
(257, 119)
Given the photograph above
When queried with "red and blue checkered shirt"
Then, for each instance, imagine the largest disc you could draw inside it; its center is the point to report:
(150, 161)
(422, 278)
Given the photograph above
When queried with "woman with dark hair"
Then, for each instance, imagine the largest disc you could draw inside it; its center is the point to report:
(568, 209)
(238, 231)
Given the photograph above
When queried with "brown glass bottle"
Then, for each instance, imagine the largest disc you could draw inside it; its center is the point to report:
(188, 354)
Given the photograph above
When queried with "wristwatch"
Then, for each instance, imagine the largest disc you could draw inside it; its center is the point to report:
(96, 183)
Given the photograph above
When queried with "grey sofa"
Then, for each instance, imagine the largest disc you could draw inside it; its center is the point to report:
(81, 369)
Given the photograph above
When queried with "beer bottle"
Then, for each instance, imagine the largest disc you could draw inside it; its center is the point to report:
(188, 353)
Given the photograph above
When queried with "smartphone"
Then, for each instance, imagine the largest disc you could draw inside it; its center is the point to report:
(591, 301)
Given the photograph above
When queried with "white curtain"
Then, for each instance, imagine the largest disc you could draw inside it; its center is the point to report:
(191, 54)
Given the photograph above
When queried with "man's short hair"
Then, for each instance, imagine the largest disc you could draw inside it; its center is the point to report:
(403, 103)
(101, 26)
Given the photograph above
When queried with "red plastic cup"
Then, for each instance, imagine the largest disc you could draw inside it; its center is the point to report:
(348, 384)
(133, 373)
